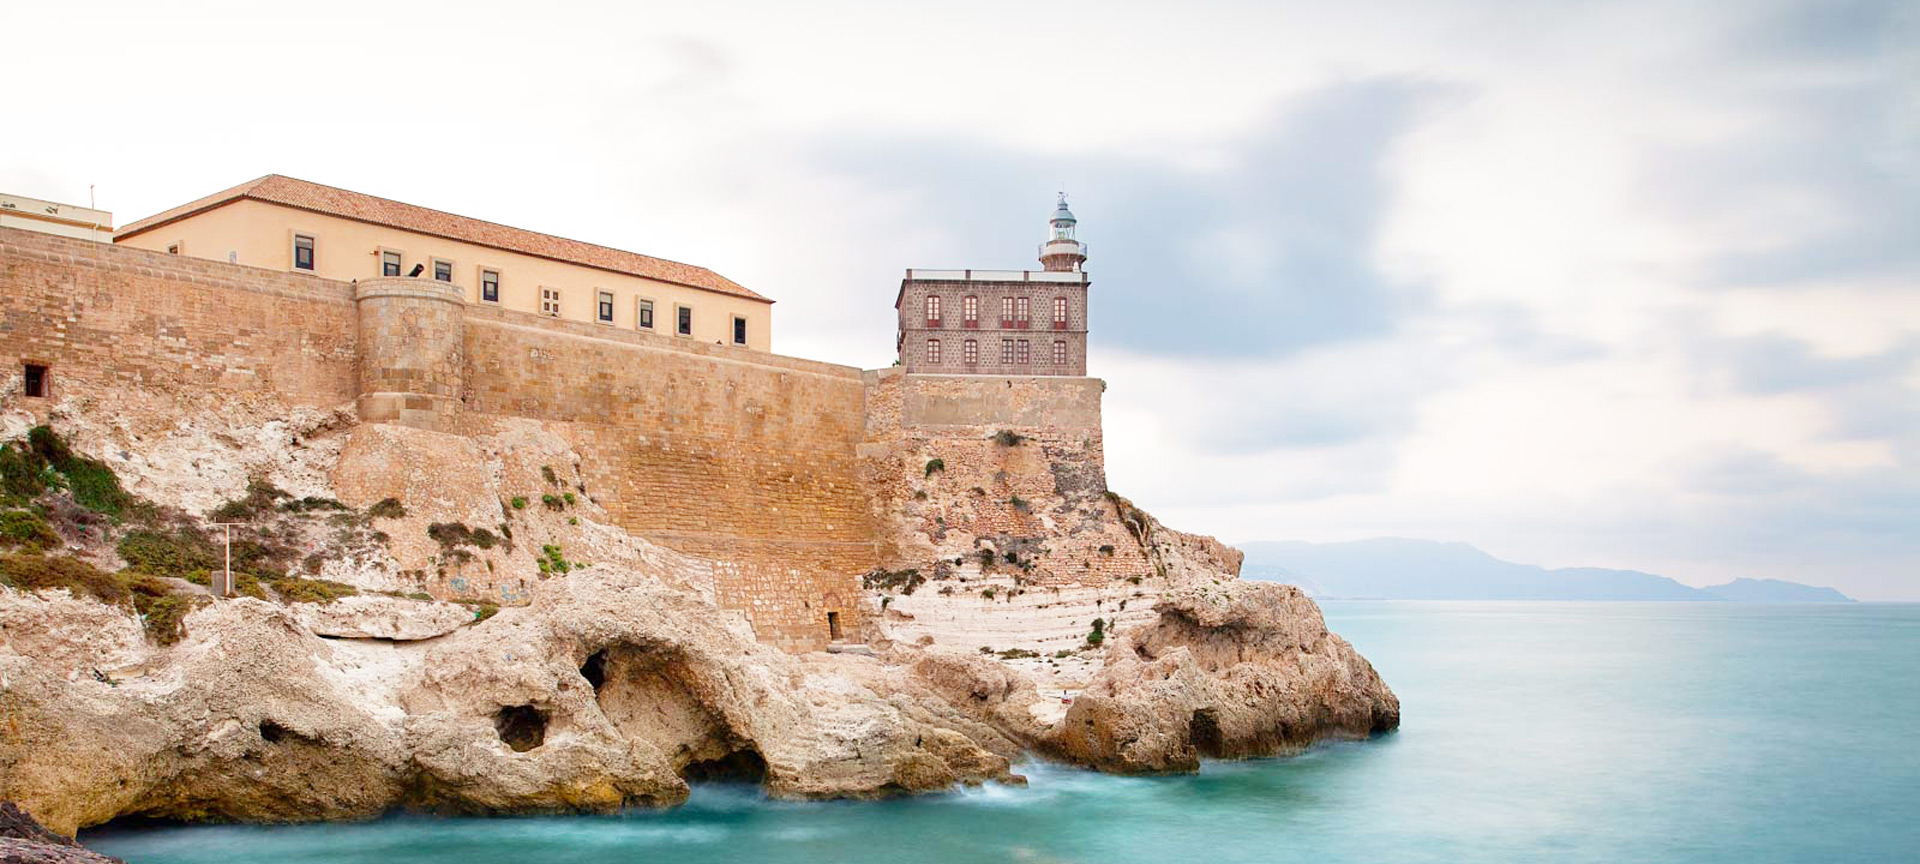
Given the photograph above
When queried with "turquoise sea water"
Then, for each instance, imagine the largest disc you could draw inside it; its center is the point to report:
(1532, 732)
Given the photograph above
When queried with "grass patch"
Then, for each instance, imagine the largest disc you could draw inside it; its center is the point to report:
(162, 612)
(28, 530)
(298, 590)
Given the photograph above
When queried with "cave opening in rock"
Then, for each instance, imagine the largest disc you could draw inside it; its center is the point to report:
(273, 733)
(744, 765)
(1203, 732)
(522, 727)
(595, 669)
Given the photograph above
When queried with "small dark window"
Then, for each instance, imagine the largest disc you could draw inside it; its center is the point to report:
(174, 249)
(686, 320)
(36, 383)
(389, 263)
(646, 314)
(739, 330)
(443, 271)
(606, 307)
(302, 252)
(490, 286)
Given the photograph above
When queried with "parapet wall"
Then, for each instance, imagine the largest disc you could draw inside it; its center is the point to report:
(102, 317)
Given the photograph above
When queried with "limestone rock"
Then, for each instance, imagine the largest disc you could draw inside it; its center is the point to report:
(23, 841)
(376, 616)
(610, 689)
(1233, 671)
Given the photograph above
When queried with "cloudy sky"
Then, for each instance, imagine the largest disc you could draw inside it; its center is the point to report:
(1614, 284)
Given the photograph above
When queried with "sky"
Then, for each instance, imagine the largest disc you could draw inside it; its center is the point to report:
(1582, 283)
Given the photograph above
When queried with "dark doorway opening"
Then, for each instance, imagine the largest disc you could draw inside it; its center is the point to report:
(36, 380)
(833, 626)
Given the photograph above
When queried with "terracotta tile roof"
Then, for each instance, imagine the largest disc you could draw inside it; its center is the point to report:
(299, 194)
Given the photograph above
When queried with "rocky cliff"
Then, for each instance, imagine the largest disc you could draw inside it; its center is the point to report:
(358, 672)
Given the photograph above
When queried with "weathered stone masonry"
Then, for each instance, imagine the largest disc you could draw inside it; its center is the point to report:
(793, 475)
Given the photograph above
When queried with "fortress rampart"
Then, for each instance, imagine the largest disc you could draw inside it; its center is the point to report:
(764, 463)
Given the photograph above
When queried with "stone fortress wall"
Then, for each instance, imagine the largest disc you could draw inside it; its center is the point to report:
(796, 477)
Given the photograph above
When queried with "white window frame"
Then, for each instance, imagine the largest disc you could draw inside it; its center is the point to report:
(549, 302)
(380, 254)
(645, 316)
(433, 269)
(603, 307)
(933, 352)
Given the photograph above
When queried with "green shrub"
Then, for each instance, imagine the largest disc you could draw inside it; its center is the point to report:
(519, 503)
(92, 484)
(1008, 438)
(1106, 548)
(935, 465)
(1017, 654)
(23, 475)
(31, 571)
(568, 497)
(311, 504)
(553, 502)
(1099, 633)
(904, 581)
(987, 593)
(28, 530)
(261, 499)
(298, 590)
(182, 549)
(387, 508)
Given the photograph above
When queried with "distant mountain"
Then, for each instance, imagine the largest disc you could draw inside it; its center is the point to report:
(1399, 569)
(1775, 591)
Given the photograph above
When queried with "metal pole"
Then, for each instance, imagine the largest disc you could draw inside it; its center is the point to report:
(225, 589)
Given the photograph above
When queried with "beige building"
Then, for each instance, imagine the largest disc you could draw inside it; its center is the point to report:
(48, 217)
(282, 223)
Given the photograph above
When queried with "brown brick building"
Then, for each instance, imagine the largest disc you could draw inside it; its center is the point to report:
(1000, 322)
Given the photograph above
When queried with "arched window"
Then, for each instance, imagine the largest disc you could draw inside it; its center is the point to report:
(933, 351)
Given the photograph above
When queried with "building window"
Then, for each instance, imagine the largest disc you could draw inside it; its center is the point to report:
(173, 249)
(683, 320)
(1024, 353)
(490, 286)
(933, 351)
(1022, 313)
(550, 302)
(389, 263)
(302, 252)
(1006, 352)
(1059, 311)
(36, 380)
(970, 352)
(605, 311)
(970, 310)
(1006, 311)
(1059, 353)
(739, 330)
(933, 311)
(442, 270)
(645, 318)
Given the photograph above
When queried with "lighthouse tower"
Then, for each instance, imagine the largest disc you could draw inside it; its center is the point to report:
(1061, 253)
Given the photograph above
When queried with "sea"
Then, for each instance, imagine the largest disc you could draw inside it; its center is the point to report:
(1531, 732)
